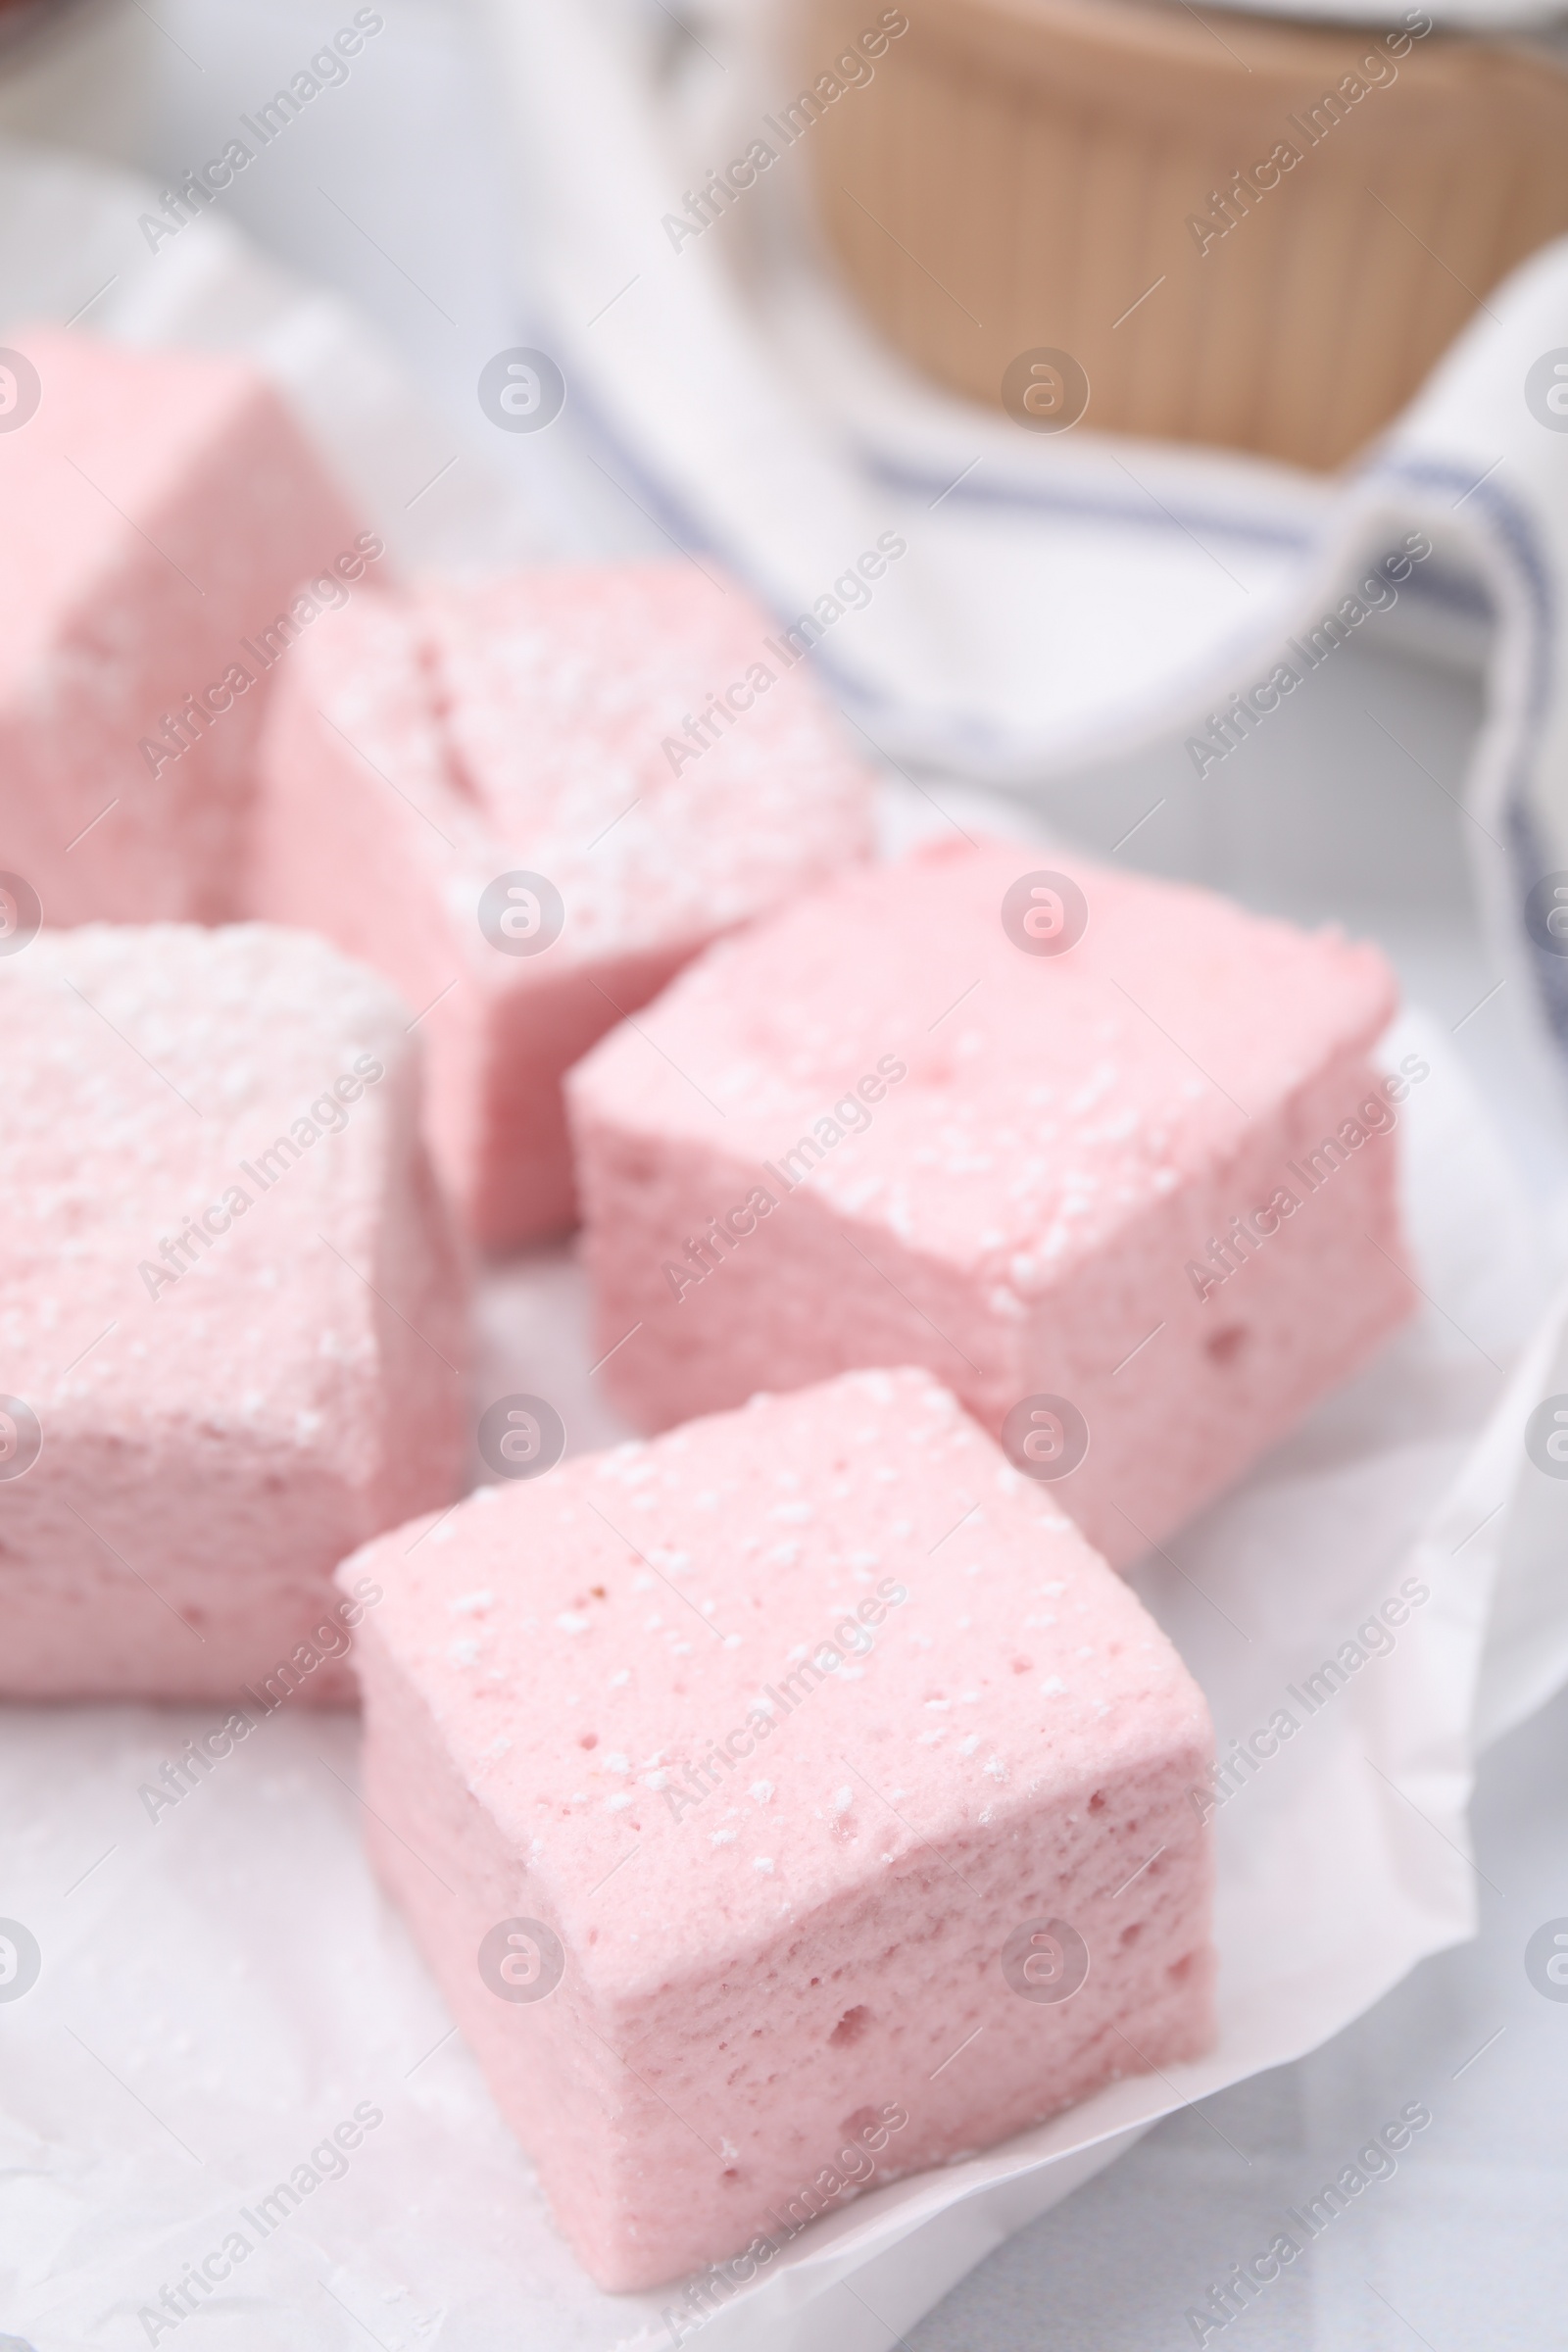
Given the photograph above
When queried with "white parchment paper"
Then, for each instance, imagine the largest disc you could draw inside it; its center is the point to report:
(224, 1986)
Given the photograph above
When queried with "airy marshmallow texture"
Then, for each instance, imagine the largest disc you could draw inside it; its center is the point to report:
(782, 1724)
(159, 508)
(216, 1438)
(421, 746)
(1027, 1204)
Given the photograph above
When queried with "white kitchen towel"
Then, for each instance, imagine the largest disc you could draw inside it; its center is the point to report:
(1063, 599)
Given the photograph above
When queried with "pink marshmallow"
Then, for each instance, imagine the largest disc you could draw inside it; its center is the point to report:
(1069, 1167)
(783, 1805)
(427, 756)
(162, 512)
(231, 1311)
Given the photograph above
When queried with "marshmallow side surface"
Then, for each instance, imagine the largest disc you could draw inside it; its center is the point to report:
(163, 514)
(815, 1736)
(876, 1128)
(233, 1306)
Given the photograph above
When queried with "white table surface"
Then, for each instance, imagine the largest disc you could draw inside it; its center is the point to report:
(388, 190)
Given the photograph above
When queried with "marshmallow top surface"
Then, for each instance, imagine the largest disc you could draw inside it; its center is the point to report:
(98, 477)
(1022, 1108)
(536, 722)
(144, 1068)
(581, 1638)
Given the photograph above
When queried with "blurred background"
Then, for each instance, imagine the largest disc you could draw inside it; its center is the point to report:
(468, 193)
(419, 189)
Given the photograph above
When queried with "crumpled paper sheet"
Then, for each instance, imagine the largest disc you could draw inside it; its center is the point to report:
(224, 1986)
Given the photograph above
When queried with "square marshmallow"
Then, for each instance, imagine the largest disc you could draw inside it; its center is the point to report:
(490, 792)
(1109, 1155)
(163, 513)
(231, 1314)
(794, 1795)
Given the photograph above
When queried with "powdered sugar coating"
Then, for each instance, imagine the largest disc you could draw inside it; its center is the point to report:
(535, 725)
(225, 1413)
(565, 696)
(1000, 1163)
(791, 1715)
